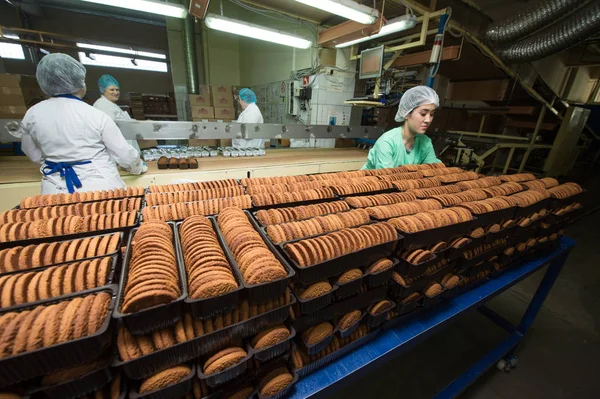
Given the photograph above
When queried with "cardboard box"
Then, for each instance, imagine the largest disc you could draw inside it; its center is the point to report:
(17, 96)
(226, 114)
(144, 144)
(202, 98)
(203, 112)
(222, 96)
(12, 80)
(12, 112)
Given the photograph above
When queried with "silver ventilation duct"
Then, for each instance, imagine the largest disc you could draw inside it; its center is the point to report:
(530, 20)
(558, 37)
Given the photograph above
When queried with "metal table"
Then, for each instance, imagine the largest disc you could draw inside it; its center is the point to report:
(390, 343)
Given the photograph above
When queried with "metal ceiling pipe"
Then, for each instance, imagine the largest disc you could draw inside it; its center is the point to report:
(191, 62)
(530, 20)
(558, 37)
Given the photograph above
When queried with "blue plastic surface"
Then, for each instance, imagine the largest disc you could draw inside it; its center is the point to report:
(398, 339)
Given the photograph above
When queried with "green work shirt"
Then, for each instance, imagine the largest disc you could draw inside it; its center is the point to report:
(389, 151)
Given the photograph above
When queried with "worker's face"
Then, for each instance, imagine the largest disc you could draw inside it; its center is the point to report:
(243, 103)
(420, 118)
(112, 93)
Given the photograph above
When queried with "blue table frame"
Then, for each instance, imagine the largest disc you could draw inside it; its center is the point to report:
(392, 342)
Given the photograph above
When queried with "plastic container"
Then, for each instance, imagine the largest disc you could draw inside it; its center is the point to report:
(465, 263)
(67, 237)
(378, 319)
(411, 270)
(41, 361)
(81, 386)
(381, 278)
(319, 346)
(560, 203)
(428, 237)
(526, 211)
(205, 308)
(348, 289)
(266, 354)
(347, 332)
(397, 290)
(489, 218)
(215, 379)
(308, 306)
(110, 282)
(285, 391)
(156, 317)
(441, 272)
(150, 364)
(508, 232)
(176, 390)
(258, 293)
(404, 308)
(332, 267)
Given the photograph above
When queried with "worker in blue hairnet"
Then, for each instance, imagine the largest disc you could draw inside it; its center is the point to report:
(77, 146)
(250, 114)
(408, 143)
(110, 92)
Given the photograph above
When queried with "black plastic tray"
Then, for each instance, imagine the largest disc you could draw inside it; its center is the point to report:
(531, 209)
(266, 354)
(156, 317)
(404, 308)
(176, 390)
(258, 293)
(398, 291)
(319, 346)
(308, 306)
(428, 237)
(464, 263)
(263, 226)
(41, 361)
(407, 269)
(332, 267)
(230, 373)
(378, 319)
(348, 289)
(436, 276)
(147, 365)
(489, 218)
(110, 281)
(204, 308)
(504, 233)
(292, 204)
(560, 203)
(67, 237)
(81, 386)
(381, 278)
(347, 332)
(283, 393)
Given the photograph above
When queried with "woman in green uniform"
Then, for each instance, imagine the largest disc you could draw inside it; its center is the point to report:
(408, 143)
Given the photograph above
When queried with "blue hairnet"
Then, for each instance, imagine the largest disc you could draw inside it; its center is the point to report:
(106, 81)
(60, 74)
(248, 96)
(412, 98)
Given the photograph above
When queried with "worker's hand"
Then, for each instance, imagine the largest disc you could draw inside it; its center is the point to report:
(144, 167)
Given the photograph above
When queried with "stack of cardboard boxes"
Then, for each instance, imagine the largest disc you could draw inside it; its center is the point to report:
(17, 94)
(213, 103)
(136, 102)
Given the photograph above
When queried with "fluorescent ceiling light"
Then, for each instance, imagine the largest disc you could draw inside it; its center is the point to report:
(11, 50)
(395, 25)
(153, 7)
(345, 8)
(113, 61)
(122, 50)
(219, 22)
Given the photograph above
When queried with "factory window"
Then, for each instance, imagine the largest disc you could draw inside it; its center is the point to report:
(128, 61)
(11, 50)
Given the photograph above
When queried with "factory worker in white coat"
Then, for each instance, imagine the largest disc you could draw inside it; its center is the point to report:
(110, 92)
(250, 114)
(77, 145)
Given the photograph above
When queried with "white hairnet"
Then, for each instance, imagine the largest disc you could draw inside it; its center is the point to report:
(412, 98)
(60, 74)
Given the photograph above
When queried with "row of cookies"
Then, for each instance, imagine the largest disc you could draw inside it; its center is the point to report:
(456, 177)
(441, 171)
(27, 287)
(403, 176)
(428, 192)
(475, 194)
(208, 271)
(318, 225)
(173, 197)
(503, 189)
(488, 205)
(349, 189)
(284, 215)
(546, 182)
(152, 272)
(483, 248)
(403, 209)
(48, 325)
(332, 245)
(530, 197)
(255, 261)
(201, 185)
(431, 219)
(46, 254)
(182, 210)
(565, 190)
(354, 180)
(131, 347)
(86, 196)
(283, 187)
(517, 177)
(79, 209)
(380, 199)
(56, 227)
(267, 199)
(338, 175)
(483, 182)
(414, 184)
(261, 181)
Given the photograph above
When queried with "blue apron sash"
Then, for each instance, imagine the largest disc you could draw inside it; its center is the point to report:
(66, 171)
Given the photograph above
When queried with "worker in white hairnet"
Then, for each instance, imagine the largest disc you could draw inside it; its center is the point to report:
(110, 92)
(76, 144)
(408, 143)
(250, 114)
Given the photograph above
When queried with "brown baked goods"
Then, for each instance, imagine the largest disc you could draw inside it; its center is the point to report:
(431, 219)
(164, 378)
(565, 190)
(488, 205)
(440, 171)
(348, 189)
(517, 177)
(270, 337)
(316, 290)
(464, 196)
(430, 192)
(38, 201)
(339, 175)
(266, 199)
(173, 197)
(328, 246)
(503, 189)
(283, 215)
(283, 187)
(317, 333)
(208, 271)
(403, 209)
(380, 199)
(530, 197)
(275, 382)
(380, 307)
(546, 182)
(349, 319)
(182, 210)
(261, 181)
(349, 275)
(255, 260)
(483, 182)
(194, 186)
(433, 290)
(456, 177)
(152, 276)
(402, 176)
(223, 360)
(414, 184)
(380, 265)
(450, 281)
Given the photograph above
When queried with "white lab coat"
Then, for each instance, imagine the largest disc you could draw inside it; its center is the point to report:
(115, 113)
(68, 130)
(250, 115)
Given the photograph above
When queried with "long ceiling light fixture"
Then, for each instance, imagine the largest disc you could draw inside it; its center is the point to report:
(237, 27)
(150, 6)
(345, 8)
(392, 26)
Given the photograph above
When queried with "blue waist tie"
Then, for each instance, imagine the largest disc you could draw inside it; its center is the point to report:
(66, 170)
